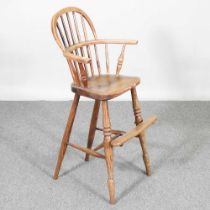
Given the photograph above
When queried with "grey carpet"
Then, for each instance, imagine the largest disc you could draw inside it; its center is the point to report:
(179, 147)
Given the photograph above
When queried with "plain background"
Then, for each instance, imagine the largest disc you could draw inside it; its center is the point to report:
(172, 58)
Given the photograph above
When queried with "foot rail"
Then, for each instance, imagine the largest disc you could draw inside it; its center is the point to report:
(134, 132)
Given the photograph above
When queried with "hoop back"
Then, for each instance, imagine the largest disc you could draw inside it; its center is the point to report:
(70, 26)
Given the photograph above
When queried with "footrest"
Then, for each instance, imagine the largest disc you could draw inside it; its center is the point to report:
(134, 132)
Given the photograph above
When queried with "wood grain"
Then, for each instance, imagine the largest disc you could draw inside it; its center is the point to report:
(65, 30)
(106, 87)
(103, 41)
(76, 36)
(134, 132)
(108, 150)
(107, 58)
(87, 47)
(87, 151)
(120, 60)
(142, 139)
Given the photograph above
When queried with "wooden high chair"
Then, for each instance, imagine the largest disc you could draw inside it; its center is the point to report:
(71, 28)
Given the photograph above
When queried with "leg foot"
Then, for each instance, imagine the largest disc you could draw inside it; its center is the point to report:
(111, 188)
(145, 154)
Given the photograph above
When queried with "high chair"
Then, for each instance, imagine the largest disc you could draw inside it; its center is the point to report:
(76, 36)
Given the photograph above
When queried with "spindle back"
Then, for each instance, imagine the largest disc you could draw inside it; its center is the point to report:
(75, 34)
(70, 26)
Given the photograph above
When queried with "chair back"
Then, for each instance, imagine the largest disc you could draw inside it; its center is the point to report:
(71, 26)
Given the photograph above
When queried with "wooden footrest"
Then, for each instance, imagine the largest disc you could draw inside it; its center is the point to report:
(134, 132)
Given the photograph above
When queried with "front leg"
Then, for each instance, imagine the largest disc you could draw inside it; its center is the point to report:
(108, 150)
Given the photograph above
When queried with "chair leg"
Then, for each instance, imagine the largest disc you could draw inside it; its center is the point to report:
(108, 150)
(66, 135)
(92, 128)
(142, 139)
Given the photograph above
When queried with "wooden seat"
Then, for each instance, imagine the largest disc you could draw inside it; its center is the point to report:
(76, 36)
(106, 87)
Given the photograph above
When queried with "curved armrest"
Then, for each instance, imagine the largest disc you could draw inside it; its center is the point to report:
(103, 41)
(78, 58)
(68, 52)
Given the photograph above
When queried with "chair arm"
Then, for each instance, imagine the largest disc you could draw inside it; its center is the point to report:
(68, 52)
(114, 41)
(78, 58)
(103, 41)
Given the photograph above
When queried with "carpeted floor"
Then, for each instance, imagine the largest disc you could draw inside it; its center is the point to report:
(179, 148)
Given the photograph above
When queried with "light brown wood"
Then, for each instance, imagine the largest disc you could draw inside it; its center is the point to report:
(64, 11)
(71, 46)
(106, 87)
(120, 60)
(72, 34)
(73, 41)
(74, 73)
(66, 135)
(77, 58)
(76, 27)
(68, 52)
(107, 58)
(134, 132)
(76, 36)
(70, 28)
(87, 47)
(93, 125)
(83, 75)
(87, 151)
(61, 35)
(65, 30)
(116, 133)
(113, 131)
(108, 150)
(78, 33)
(142, 139)
(136, 106)
(103, 41)
(101, 145)
(97, 59)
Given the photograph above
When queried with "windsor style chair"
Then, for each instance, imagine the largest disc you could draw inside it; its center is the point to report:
(76, 36)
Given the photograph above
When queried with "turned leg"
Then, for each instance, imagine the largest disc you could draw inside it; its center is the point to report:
(108, 150)
(142, 139)
(66, 135)
(93, 125)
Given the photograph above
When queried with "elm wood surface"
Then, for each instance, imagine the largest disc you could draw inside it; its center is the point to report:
(139, 121)
(103, 41)
(76, 36)
(134, 132)
(106, 87)
(87, 150)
